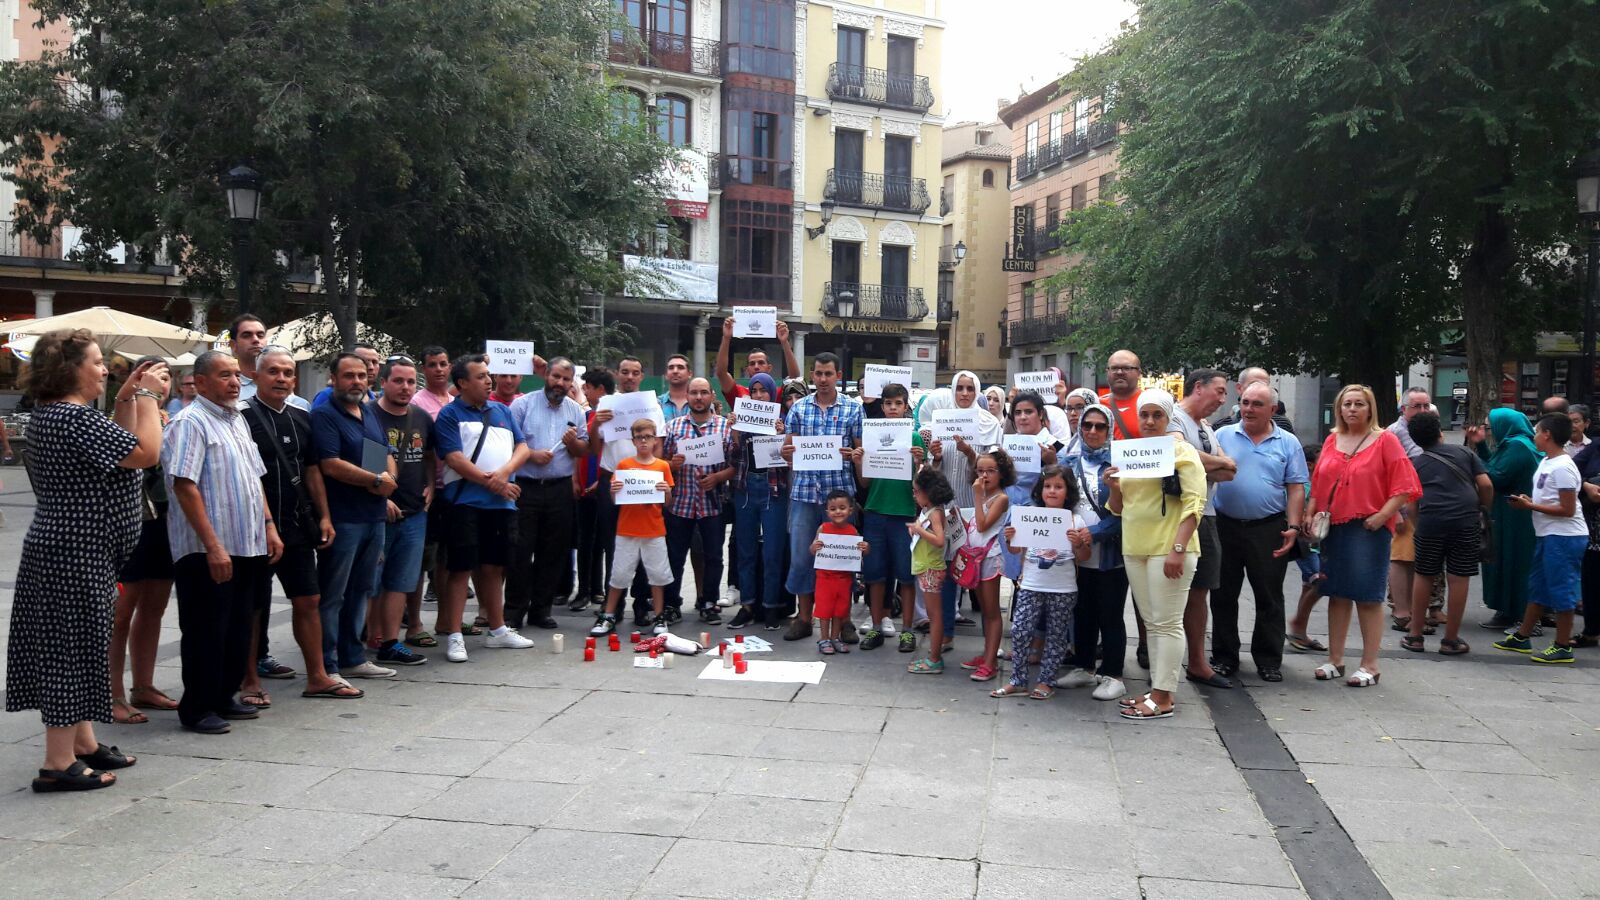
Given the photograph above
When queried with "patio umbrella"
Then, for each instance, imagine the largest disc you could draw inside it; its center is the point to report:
(116, 332)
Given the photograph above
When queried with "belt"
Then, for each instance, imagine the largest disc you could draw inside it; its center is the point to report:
(1246, 523)
(560, 479)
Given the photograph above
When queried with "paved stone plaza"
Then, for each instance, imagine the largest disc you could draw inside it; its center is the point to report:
(532, 774)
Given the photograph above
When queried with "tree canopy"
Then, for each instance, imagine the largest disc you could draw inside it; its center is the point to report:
(451, 167)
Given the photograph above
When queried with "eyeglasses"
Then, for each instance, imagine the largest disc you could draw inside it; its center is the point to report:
(1124, 368)
(1093, 426)
(644, 437)
(400, 359)
(1076, 407)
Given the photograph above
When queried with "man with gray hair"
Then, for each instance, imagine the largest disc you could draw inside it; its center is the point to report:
(1414, 400)
(553, 425)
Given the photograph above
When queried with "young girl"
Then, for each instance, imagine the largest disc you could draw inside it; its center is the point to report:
(989, 514)
(1049, 590)
(932, 492)
(832, 605)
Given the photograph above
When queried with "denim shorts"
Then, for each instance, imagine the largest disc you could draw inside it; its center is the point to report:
(1556, 582)
(889, 549)
(402, 553)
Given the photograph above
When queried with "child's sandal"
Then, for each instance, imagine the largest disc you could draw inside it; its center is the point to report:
(1008, 690)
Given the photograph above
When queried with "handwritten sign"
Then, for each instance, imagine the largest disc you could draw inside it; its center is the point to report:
(755, 416)
(883, 435)
(1040, 528)
(894, 465)
(949, 424)
(768, 451)
(639, 487)
(1144, 457)
(755, 321)
(1042, 382)
(702, 451)
(509, 357)
(817, 454)
(839, 553)
(1025, 452)
(627, 409)
(875, 377)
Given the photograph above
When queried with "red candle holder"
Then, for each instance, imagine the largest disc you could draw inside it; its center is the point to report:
(588, 654)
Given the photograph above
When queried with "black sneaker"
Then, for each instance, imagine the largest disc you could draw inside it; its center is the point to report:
(603, 625)
(673, 615)
(847, 633)
(395, 653)
(709, 615)
(742, 618)
(773, 617)
(908, 642)
(647, 621)
(641, 619)
(872, 640)
(578, 604)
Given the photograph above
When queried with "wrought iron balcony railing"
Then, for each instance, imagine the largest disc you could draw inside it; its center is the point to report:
(849, 300)
(1102, 132)
(659, 50)
(878, 87)
(871, 191)
(1037, 329)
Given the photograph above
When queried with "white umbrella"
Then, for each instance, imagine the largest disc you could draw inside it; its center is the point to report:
(181, 361)
(115, 331)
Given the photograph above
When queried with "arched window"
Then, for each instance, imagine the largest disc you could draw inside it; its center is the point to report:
(627, 107)
(988, 178)
(672, 119)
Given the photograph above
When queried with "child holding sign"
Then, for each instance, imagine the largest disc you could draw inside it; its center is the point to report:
(1049, 592)
(641, 535)
(890, 508)
(832, 603)
(990, 509)
(932, 493)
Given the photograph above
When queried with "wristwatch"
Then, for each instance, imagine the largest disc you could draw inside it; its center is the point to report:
(377, 481)
(1179, 548)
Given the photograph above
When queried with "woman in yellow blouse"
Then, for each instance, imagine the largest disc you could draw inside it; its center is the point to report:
(1159, 520)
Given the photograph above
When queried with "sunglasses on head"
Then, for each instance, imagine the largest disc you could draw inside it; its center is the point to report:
(400, 359)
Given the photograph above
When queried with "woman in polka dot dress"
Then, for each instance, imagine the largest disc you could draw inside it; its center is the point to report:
(84, 470)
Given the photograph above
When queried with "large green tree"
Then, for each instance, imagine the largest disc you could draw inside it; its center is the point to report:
(1325, 185)
(451, 166)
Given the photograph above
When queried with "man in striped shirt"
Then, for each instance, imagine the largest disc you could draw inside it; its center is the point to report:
(223, 538)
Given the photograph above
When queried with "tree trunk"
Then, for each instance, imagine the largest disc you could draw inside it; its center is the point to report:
(1483, 279)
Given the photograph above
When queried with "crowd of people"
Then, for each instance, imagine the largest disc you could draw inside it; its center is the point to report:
(428, 480)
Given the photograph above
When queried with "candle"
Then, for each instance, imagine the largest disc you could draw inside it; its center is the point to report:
(616, 643)
(633, 638)
(558, 642)
(588, 654)
(727, 658)
(588, 643)
(705, 638)
(738, 639)
(653, 653)
(666, 660)
(739, 665)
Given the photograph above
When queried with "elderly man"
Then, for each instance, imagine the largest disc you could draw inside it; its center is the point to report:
(1413, 401)
(223, 538)
(553, 425)
(1258, 512)
(697, 501)
(186, 395)
(1204, 391)
(1402, 550)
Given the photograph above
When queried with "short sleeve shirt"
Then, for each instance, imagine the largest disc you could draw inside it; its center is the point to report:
(1449, 501)
(1259, 488)
(410, 440)
(211, 446)
(1554, 475)
(449, 437)
(289, 429)
(1202, 438)
(807, 418)
(643, 520)
(339, 434)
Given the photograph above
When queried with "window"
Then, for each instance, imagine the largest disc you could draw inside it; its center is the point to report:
(1080, 195)
(675, 238)
(1052, 296)
(627, 108)
(1027, 300)
(1107, 186)
(1031, 137)
(755, 250)
(1055, 126)
(852, 48)
(980, 340)
(982, 138)
(988, 178)
(759, 37)
(1080, 118)
(757, 142)
(672, 119)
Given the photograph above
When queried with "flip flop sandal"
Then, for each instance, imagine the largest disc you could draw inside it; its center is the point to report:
(1008, 690)
(107, 758)
(1414, 643)
(422, 639)
(76, 777)
(335, 691)
(1448, 647)
(1145, 710)
(1400, 623)
(1328, 672)
(926, 667)
(1363, 678)
(150, 698)
(258, 699)
(1302, 644)
(130, 716)
(1041, 692)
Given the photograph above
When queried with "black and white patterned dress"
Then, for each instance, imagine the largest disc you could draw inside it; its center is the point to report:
(84, 526)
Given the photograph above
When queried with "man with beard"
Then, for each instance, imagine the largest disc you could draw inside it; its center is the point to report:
(552, 423)
(408, 431)
(697, 503)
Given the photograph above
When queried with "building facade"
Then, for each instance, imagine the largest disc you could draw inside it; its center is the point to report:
(975, 203)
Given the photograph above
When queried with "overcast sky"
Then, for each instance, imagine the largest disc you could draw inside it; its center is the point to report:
(993, 46)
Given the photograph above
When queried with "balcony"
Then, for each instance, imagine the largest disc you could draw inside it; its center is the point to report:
(1102, 132)
(1037, 329)
(879, 88)
(62, 251)
(1047, 240)
(849, 300)
(672, 52)
(947, 310)
(1024, 166)
(773, 173)
(23, 246)
(869, 191)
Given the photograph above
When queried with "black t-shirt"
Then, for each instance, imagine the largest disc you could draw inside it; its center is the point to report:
(1448, 502)
(291, 430)
(410, 437)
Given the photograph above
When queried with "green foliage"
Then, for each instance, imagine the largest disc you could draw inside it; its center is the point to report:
(450, 166)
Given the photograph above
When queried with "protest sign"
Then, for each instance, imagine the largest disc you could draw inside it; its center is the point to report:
(875, 377)
(702, 451)
(883, 435)
(1042, 382)
(817, 454)
(839, 553)
(509, 357)
(639, 486)
(755, 416)
(627, 409)
(1025, 452)
(1144, 457)
(768, 451)
(949, 424)
(755, 321)
(896, 464)
(1040, 528)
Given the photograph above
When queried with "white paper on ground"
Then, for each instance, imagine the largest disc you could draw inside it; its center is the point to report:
(641, 661)
(751, 644)
(772, 671)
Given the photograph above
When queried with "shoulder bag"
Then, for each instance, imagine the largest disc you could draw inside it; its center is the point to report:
(1322, 519)
(305, 516)
(1485, 527)
(483, 433)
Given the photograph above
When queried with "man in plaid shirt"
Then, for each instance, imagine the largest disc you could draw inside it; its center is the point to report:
(697, 504)
(825, 412)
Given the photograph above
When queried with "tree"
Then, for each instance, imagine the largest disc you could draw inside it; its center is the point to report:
(438, 160)
(1325, 185)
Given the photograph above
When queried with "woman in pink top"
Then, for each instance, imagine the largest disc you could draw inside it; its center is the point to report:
(1362, 478)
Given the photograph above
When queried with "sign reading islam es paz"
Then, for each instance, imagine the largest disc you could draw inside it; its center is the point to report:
(509, 357)
(1039, 528)
(1144, 457)
(702, 451)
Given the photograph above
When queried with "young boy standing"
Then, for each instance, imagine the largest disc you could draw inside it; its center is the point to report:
(890, 508)
(832, 602)
(1560, 537)
(641, 535)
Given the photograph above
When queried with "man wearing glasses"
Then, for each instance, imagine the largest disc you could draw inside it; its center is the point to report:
(1415, 400)
(1122, 374)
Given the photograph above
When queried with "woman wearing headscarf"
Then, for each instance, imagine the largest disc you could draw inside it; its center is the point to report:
(1511, 460)
(1099, 623)
(1076, 402)
(994, 400)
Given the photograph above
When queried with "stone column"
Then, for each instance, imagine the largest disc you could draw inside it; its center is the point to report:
(701, 323)
(797, 337)
(44, 304)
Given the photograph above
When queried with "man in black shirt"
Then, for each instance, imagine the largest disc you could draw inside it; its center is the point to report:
(297, 502)
(409, 433)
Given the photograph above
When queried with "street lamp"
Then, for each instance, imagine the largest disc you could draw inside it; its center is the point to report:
(1588, 173)
(845, 304)
(243, 185)
(961, 251)
(827, 216)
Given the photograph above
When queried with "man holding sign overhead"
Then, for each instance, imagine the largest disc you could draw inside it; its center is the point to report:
(697, 448)
(756, 362)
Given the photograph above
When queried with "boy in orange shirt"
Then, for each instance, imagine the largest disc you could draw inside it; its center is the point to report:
(641, 535)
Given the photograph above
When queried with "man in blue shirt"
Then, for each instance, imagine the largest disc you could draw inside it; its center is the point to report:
(554, 426)
(357, 504)
(481, 447)
(1258, 513)
(368, 354)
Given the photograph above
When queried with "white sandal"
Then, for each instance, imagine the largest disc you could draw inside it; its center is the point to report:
(1145, 710)
(1363, 678)
(1328, 672)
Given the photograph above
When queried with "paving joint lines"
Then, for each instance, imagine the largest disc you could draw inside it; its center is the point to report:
(1323, 855)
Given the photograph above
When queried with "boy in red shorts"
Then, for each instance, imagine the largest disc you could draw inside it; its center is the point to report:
(834, 587)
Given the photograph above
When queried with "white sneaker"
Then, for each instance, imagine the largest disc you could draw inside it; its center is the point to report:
(1077, 678)
(367, 670)
(1109, 688)
(508, 641)
(887, 629)
(455, 648)
(660, 628)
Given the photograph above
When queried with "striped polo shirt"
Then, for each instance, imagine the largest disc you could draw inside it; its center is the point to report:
(211, 446)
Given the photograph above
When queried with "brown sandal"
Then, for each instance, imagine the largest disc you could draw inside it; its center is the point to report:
(123, 713)
(148, 697)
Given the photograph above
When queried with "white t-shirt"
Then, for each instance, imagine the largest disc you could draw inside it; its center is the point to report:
(1056, 422)
(1557, 474)
(1060, 578)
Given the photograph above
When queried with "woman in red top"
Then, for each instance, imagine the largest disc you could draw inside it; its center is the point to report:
(1362, 479)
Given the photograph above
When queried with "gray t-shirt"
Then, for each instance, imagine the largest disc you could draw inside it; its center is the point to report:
(1448, 502)
(1200, 436)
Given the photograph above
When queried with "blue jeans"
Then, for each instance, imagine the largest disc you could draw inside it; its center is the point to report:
(889, 555)
(347, 571)
(402, 553)
(804, 520)
(949, 594)
(680, 534)
(758, 521)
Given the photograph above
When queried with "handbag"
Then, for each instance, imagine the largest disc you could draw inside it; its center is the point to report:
(1485, 524)
(966, 567)
(1322, 519)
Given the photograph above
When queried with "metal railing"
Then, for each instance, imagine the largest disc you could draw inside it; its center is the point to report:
(872, 191)
(24, 246)
(1102, 132)
(1037, 329)
(775, 173)
(850, 300)
(879, 87)
(659, 50)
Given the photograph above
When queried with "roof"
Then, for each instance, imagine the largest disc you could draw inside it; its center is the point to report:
(1028, 103)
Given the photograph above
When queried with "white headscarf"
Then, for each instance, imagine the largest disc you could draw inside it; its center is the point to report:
(990, 430)
(1157, 397)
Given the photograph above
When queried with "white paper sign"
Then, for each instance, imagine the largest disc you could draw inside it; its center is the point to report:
(509, 357)
(768, 451)
(498, 446)
(817, 454)
(627, 409)
(755, 321)
(895, 465)
(1042, 382)
(874, 377)
(643, 661)
(1025, 452)
(883, 435)
(639, 487)
(702, 451)
(755, 416)
(1144, 457)
(949, 424)
(1040, 528)
(839, 553)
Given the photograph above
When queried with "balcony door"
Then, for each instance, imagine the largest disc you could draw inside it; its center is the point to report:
(902, 70)
(669, 37)
(852, 61)
(894, 278)
(897, 172)
(846, 275)
(848, 158)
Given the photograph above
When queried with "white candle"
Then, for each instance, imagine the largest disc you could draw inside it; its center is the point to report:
(557, 642)
(666, 659)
